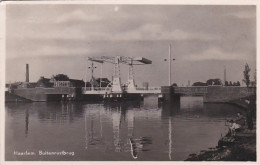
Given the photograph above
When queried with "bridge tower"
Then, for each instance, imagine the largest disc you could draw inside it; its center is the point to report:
(131, 81)
(116, 80)
(92, 80)
(116, 85)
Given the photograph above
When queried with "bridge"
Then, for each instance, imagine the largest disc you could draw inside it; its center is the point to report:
(116, 88)
(191, 91)
(108, 90)
(63, 89)
(215, 93)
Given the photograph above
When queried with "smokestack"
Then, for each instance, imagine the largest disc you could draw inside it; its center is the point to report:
(27, 73)
(225, 75)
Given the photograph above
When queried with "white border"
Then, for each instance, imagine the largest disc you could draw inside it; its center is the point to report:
(140, 2)
(2, 80)
(112, 2)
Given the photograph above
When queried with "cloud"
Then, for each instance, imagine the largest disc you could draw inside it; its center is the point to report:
(159, 32)
(150, 32)
(249, 14)
(214, 54)
(77, 15)
(45, 50)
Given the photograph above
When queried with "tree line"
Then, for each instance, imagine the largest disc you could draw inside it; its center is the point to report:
(217, 81)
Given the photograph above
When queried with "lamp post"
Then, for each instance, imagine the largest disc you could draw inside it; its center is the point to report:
(86, 75)
(100, 83)
(169, 67)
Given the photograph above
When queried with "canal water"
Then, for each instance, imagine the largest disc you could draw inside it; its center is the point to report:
(99, 131)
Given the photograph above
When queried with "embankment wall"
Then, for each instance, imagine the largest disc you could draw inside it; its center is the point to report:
(227, 94)
(42, 94)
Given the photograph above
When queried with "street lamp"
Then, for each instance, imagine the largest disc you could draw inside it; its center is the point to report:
(169, 60)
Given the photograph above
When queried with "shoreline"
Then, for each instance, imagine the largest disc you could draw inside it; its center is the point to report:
(241, 147)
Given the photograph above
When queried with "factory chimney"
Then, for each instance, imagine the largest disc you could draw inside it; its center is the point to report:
(27, 73)
(225, 75)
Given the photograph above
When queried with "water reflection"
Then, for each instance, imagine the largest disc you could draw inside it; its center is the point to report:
(58, 112)
(26, 122)
(118, 114)
(116, 120)
(170, 138)
(92, 125)
(117, 131)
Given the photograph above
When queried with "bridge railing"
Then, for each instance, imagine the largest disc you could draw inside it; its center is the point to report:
(249, 90)
(149, 88)
(191, 90)
(96, 88)
(145, 88)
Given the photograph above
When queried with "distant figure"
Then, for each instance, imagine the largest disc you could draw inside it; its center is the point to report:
(234, 127)
(240, 119)
(237, 124)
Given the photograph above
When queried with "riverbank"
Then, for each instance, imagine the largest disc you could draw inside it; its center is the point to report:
(242, 147)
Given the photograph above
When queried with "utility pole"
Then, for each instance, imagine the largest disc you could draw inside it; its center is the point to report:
(101, 74)
(170, 66)
(86, 74)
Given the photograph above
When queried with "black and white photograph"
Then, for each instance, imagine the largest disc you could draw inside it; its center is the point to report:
(129, 82)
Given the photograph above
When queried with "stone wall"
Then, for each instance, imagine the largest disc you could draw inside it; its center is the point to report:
(9, 97)
(41, 94)
(227, 94)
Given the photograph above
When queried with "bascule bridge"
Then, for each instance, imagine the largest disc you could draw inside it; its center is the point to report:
(116, 89)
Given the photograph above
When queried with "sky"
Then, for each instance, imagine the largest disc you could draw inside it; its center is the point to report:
(58, 38)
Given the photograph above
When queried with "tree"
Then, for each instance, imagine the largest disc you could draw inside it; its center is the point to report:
(226, 83)
(61, 77)
(230, 83)
(254, 84)
(249, 117)
(238, 83)
(215, 81)
(199, 84)
(246, 79)
(255, 76)
(174, 85)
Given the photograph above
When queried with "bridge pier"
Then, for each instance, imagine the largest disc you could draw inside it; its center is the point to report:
(169, 96)
(171, 102)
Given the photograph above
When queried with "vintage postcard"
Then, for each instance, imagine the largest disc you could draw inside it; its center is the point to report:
(103, 81)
